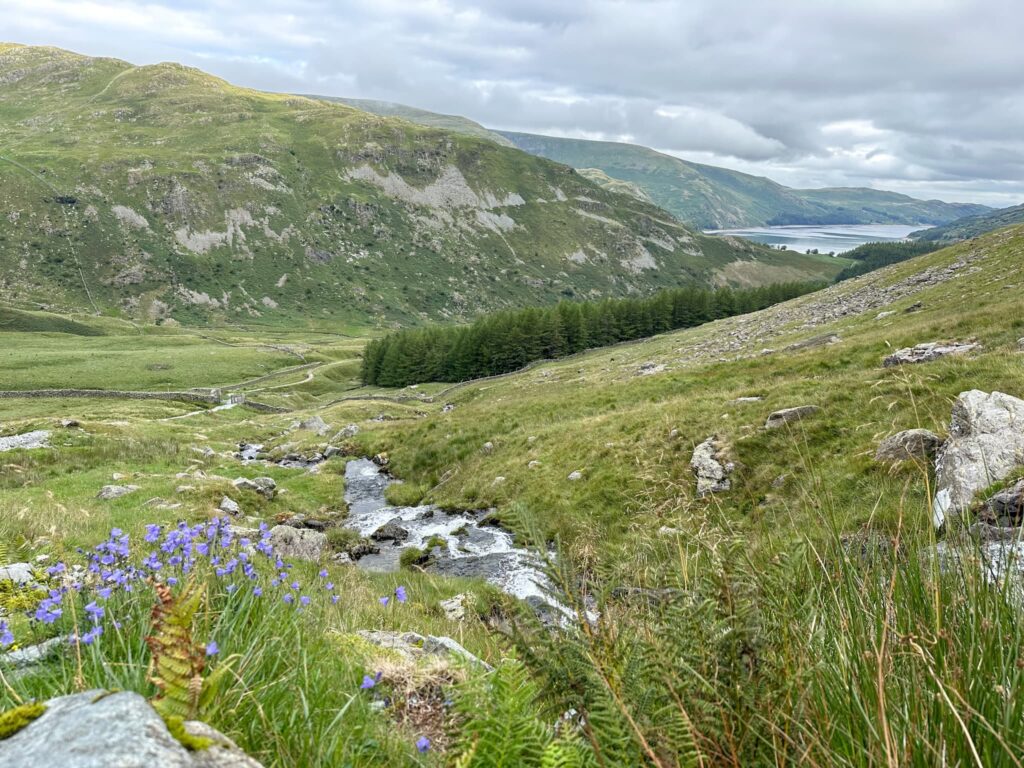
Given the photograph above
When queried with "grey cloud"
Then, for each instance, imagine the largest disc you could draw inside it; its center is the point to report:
(916, 95)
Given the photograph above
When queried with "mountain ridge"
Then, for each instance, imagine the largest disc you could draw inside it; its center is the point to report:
(161, 192)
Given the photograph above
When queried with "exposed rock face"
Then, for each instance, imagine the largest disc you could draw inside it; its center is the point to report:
(25, 441)
(924, 353)
(297, 543)
(712, 468)
(108, 492)
(230, 506)
(118, 730)
(1005, 508)
(455, 607)
(315, 424)
(909, 445)
(786, 415)
(986, 443)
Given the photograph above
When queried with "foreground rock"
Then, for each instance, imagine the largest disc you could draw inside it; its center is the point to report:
(925, 353)
(986, 443)
(909, 445)
(117, 730)
(412, 645)
(26, 441)
(19, 573)
(108, 492)
(787, 415)
(32, 654)
(297, 543)
(711, 467)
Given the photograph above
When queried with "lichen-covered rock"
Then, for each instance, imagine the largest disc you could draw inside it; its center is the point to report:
(108, 492)
(909, 445)
(315, 424)
(925, 353)
(32, 654)
(97, 729)
(297, 543)
(787, 415)
(986, 443)
(1005, 508)
(229, 507)
(711, 467)
(412, 645)
(19, 573)
(25, 441)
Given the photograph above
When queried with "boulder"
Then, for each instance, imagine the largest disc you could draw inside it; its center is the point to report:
(264, 486)
(390, 531)
(229, 506)
(787, 415)
(346, 432)
(32, 654)
(986, 443)
(488, 447)
(576, 475)
(533, 464)
(315, 424)
(1005, 508)
(244, 484)
(711, 467)
(909, 445)
(925, 353)
(19, 573)
(108, 492)
(25, 441)
(97, 729)
(69, 423)
(298, 543)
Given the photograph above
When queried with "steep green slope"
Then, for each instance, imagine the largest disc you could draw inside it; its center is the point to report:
(717, 198)
(972, 226)
(163, 192)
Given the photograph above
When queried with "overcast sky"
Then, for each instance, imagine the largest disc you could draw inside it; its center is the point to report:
(919, 96)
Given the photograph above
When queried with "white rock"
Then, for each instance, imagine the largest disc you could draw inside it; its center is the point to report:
(297, 543)
(576, 475)
(710, 466)
(108, 492)
(19, 573)
(455, 607)
(985, 444)
(229, 506)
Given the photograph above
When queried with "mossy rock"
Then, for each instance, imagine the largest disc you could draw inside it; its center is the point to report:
(13, 720)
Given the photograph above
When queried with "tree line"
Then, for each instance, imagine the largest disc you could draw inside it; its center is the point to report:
(872, 256)
(506, 341)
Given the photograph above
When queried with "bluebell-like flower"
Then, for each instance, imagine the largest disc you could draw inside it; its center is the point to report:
(384, 600)
(6, 636)
(257, 591)
(370, 682)
(53, 570)
(323, 573)
(400, 595)
(289, 598)
(95, 612)
(91, 636)
(212, 649)
(152, 533)
(423, 744)
(304, 599)
(334, 599)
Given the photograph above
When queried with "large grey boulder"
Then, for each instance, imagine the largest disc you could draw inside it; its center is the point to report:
(391, 531)
(108, 492)
(315, 424)
(909, 445)
(986, 443)
(787, 415)
(117, 730)
(711, 467)
(297, 543)
(925, 353)
(26, 441)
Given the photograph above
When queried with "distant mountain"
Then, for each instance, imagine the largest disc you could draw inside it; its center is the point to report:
(710, 197)
(163, 193)
(972, 226)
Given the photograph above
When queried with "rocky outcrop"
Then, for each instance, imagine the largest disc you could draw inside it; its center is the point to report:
(909, 445)
(925, 353)
(108, 492)
(390, 531)
(25, 441)
(297, 543)
(315, 424)
(711, 467)
(264, 486)
(787, 415)
(97, 729)
(986, 443)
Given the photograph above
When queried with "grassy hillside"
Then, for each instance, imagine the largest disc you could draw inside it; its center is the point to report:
(788, 620)
(161, 192)
(710, 197)
(972, 226)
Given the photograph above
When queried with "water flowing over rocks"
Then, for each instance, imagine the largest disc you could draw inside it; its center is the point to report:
(711, 467)
(472, 548)
(986, 443)
(925, 353)
(98, 729)
(909, 445)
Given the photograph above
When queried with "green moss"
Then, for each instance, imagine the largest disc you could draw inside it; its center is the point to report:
(176, 725)
(412, 556)
(13, 720)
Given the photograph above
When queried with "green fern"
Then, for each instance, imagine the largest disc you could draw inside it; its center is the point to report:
(177, 662)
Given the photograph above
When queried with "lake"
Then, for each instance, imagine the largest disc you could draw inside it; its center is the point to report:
(827, 238)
